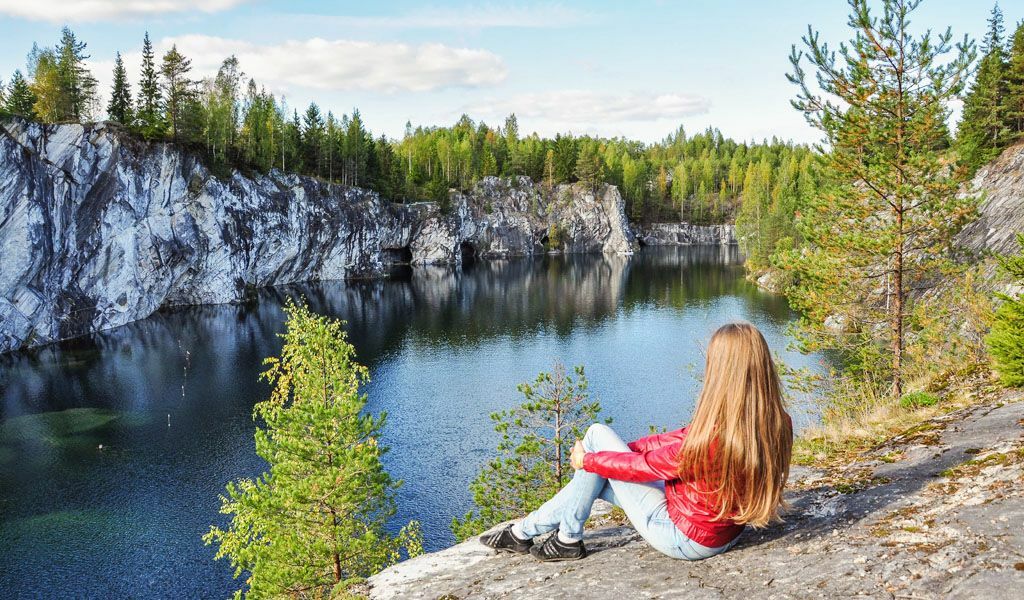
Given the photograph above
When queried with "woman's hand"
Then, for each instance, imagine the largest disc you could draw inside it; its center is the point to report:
(576, 458)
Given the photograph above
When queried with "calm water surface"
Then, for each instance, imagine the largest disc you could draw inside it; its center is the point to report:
(170, 399)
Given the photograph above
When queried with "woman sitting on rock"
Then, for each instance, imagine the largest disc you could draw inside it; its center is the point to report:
(688, 492)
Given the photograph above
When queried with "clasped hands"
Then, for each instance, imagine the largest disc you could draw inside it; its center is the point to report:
(576, 457)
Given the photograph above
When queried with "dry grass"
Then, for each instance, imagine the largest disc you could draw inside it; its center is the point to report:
(841, 439)
(946, 357)
(844, 437)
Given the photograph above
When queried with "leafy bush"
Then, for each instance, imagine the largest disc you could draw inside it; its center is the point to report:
(918, 400)
(555, 236)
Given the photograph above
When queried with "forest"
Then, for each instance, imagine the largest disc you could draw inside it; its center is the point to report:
(993, 115)
(701, 178)
(236, 123)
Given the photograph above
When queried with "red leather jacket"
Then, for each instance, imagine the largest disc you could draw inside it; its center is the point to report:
(656, 458)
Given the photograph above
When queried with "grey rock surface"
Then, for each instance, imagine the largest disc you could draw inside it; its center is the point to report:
(98, 229)
(935, 513)
(1001, 212)
(686, 234)
(773, 281)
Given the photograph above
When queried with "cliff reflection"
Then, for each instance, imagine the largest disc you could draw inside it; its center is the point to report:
(127, 368)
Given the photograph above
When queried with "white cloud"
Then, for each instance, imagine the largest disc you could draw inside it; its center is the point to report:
(321, 64)
(466, 18)
(592, 109)
(62, 11)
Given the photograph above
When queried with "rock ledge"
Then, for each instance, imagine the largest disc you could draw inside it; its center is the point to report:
(935, 513)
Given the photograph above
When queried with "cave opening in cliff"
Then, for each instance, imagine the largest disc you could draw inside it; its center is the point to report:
(396, 256)
(468, 253)
(640, 242)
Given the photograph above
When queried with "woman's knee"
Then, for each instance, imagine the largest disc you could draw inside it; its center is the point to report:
(594, 433)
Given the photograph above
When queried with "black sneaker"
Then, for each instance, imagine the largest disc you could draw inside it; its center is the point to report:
(554, 549)
(504, 540)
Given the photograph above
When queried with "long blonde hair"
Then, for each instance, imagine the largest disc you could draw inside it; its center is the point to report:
(739, 443)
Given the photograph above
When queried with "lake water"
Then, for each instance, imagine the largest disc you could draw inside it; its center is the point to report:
(169, 399)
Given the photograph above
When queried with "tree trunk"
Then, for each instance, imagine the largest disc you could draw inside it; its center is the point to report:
(558, 443)
(897, 321)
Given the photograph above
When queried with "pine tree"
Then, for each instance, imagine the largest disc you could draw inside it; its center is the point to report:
(20, 99)
(332, 144)
(357, 144)
(120, 106)
(511, 130)
(549, 170)
(514, 163)
(489, 164)
(533, 454)
(883, 225)
(312, 139)
(388, 177)
(565, 158)
(983, 132)
(589, 166)
(149, 111)
(291, 151)
(77, 83)
(316, 520)
(179, 91)
(1015, 84)
(1005, 340)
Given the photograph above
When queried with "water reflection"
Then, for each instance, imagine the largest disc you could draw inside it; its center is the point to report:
(170, 400)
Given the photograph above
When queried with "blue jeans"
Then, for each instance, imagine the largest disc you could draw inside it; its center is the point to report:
(643, 503)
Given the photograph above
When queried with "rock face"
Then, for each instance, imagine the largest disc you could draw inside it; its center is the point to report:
(508, 217)
(98, 229)
(934, 513)
(1001, 213)
(685, 234)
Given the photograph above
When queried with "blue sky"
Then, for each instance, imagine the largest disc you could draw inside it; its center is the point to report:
(636, 69)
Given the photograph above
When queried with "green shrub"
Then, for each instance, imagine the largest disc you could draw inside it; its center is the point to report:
(1005, 341)
(532, 461)
(918, 400)
(317, 519)
(556, 237)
